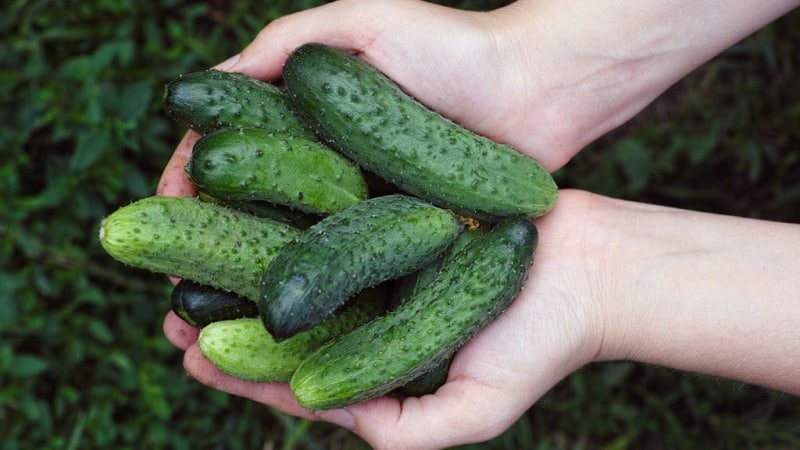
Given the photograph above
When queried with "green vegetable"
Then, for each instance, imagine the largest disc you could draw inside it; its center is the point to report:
(244, 349)
(411, 285)
(364, 115)
(268, 210)
(211, 100)
(376, 240)
(202, 242)
(472, 288)
(253, 164)
(199, 305)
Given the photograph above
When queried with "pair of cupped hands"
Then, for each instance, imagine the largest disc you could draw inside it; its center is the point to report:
(523, 76)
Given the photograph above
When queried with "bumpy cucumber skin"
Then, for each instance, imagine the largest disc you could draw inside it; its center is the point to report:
(411, 285)
(199, 305)
(366, 116)
(202, 242)
(473, 287)
(376, 240)
(279, 213)
(253, 164)
(211, 100)
(244, 349)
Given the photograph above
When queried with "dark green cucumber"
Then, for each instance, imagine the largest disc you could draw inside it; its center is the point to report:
(472, 288)
(410, 285)
(253, 164)
(202, 242)
(264, 209)
(199, 305)
(376, 240)
(429, 381)
(244, 349)
(366, 116)
(211, 99)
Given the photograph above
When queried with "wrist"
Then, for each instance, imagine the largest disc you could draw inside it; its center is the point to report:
(584, 68)
(702, 293)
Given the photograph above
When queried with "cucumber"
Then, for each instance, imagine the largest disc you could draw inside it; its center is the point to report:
(199, 305)
(411, 285)
(244, 349)
(202, 242)
(429, 381)
(209, 100)
(363, 114)
(373, 241)
(253, 164)
(258, 208)
(472, 288)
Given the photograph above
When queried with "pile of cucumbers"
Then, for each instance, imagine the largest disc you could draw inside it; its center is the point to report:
(346, 239)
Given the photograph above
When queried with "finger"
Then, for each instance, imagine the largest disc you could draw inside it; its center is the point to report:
(277, 395)
(178, 332)
(173, 180)
(339, 24)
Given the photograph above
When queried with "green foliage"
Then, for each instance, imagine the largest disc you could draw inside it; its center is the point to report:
(83, 361)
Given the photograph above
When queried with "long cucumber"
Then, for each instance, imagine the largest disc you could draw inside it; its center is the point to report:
(472, 288)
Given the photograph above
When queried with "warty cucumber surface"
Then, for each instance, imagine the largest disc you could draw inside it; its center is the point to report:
(410, 285)
(199, 241)
(376, 240)
(211, 99)
(366, 116)
(244, 349)
(253, 164)
(472, 288)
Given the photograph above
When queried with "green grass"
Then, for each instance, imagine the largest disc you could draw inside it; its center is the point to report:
(83, 361)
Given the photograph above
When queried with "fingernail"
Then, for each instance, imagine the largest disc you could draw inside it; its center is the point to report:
(340, 417)
(228, 63)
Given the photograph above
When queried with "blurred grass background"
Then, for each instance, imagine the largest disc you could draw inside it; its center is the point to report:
(83, 362)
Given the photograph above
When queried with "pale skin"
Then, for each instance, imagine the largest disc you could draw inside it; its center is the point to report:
(612, 280)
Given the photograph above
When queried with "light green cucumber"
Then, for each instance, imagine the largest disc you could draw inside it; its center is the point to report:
(253, 164)
(370, 242)
(202, 242)
(244, 349)
(210, 100)
(472, 288)
(363, 114)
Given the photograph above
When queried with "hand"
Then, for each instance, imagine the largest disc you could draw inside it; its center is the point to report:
(610, 280)
(550, 330)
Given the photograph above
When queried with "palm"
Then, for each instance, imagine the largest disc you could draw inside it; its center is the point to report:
(538, 340)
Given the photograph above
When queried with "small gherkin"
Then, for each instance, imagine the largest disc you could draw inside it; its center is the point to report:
(199, 241)
(210, 100)
(255, 164)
